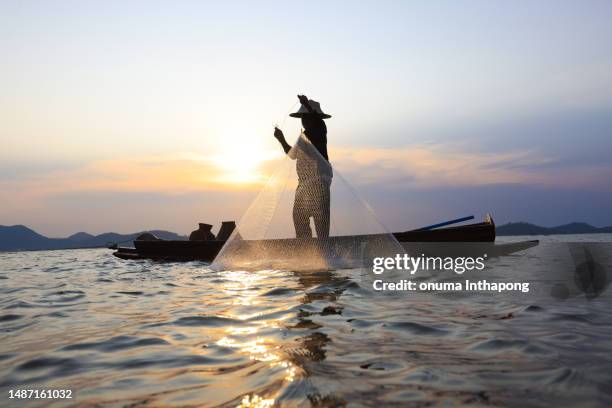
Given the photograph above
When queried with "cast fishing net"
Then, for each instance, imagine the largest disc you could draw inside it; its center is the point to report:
(307, 217)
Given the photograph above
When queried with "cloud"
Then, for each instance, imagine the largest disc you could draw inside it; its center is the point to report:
(420, 166)
(414, 166)
(438, 166)
(164, 174)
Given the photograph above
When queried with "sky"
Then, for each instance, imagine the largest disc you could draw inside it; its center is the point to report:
(127, 116)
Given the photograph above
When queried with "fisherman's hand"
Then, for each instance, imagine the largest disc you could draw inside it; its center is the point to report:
(303, 99)
(279, 134)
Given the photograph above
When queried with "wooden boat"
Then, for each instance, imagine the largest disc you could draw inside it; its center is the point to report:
(470, 238)
(479, 232)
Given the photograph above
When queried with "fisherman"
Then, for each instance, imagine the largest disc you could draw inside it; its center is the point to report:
(312, 197)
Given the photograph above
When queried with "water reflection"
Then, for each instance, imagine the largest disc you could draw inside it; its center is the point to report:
(245, 290)
(256, 401)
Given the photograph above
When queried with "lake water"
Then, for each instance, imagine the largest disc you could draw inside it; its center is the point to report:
(141, 333)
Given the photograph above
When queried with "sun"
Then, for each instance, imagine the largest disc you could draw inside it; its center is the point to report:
(238, 166)
(239, 154)
(241, 161)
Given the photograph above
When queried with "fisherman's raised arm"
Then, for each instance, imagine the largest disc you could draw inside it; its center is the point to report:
(278, 134)
(304, 101)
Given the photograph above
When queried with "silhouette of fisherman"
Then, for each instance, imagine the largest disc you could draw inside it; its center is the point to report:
(314, 171)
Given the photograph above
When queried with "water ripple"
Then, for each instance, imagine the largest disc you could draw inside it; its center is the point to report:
(142, 333)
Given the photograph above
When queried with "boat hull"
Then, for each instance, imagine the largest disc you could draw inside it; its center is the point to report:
(481, 232)
(413, 241)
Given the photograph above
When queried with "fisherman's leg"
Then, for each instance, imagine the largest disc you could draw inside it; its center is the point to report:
(301, 215)
(321, 216)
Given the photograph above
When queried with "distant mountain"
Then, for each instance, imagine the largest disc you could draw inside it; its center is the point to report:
(80, 236)
(525, 228)
(20, 237)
